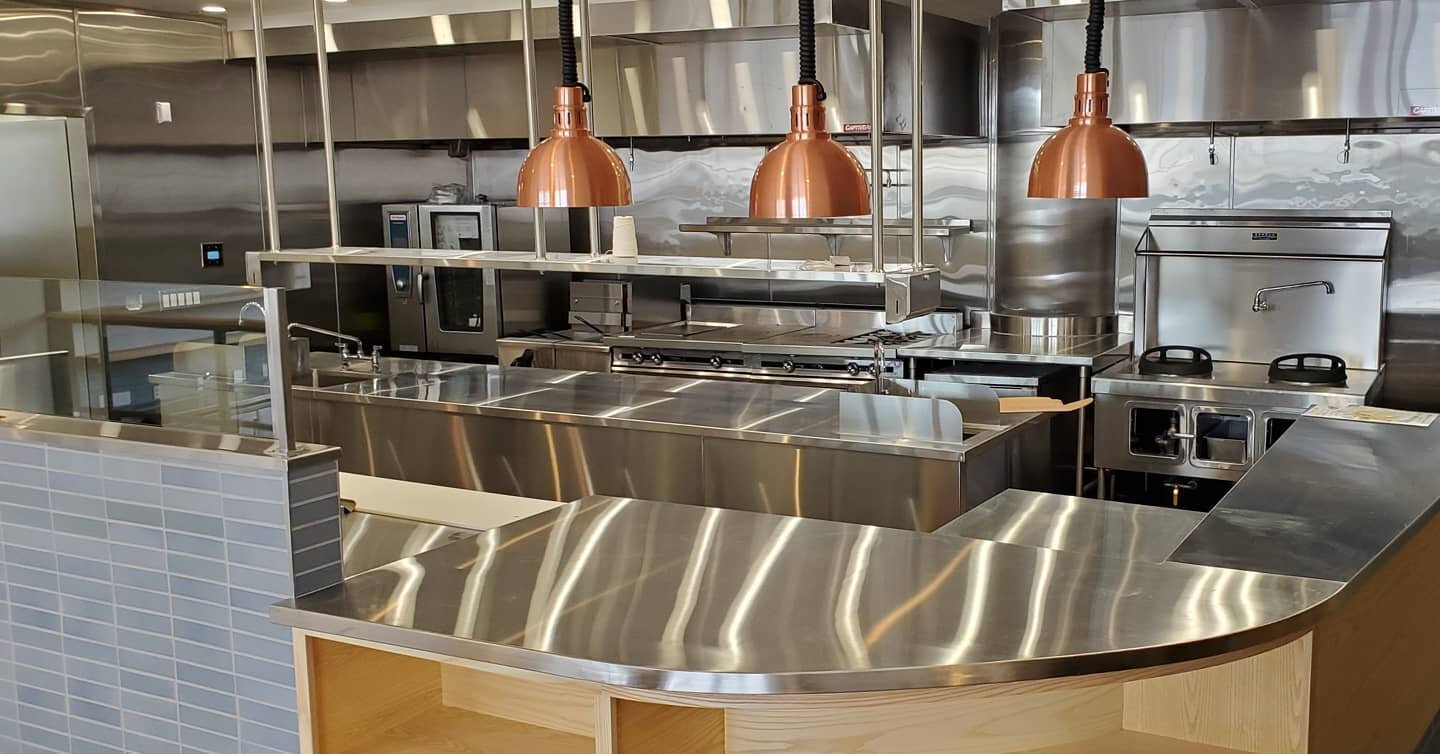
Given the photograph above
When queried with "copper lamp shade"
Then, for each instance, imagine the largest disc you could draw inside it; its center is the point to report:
(572, 168)
(809, 174)
(1090, 158)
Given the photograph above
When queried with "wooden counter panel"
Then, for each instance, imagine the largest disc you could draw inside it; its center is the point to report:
(992, 724)
(1377, 657)
(1258, 704)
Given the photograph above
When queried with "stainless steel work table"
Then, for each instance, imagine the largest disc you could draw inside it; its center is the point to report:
(683, 598)
(975, 344)
(789, 415)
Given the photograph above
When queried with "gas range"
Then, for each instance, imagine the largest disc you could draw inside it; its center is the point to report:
(1217, 420)
(843, 350)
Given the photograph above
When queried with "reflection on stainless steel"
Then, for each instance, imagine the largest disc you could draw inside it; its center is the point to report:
(1330, 500)
(1263, 62)
(563, 435)
(984, 345)
(369, 541)
(39, 64)
(1076, 524)
(776, 615)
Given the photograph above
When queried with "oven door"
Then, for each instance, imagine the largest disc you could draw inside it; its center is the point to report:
(462, 311)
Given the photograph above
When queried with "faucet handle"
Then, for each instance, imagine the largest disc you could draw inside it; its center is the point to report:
(375, 359)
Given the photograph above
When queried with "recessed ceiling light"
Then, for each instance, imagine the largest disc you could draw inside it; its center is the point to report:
(337, 2)
(212, 9)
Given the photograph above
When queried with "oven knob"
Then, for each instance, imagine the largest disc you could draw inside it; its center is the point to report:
(788, 366)
(874, 370)
(853, 369)
(637, 357)
(657, 359)
(717, 362)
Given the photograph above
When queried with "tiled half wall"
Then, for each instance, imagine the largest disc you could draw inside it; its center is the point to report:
(135, 582)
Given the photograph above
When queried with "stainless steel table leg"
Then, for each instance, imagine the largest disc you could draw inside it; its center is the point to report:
(1080, 434)
(1101, 480)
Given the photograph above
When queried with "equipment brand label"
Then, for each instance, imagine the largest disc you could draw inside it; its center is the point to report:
(857, 128)
(1265, 236)
(1421, 111)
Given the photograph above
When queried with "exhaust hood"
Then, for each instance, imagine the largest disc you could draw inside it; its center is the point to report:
(663, 68)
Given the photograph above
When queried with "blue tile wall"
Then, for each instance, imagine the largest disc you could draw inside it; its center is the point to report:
(134, 596)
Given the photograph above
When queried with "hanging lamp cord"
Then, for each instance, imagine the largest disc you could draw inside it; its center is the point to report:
(1094, 30)
(807, 46)
(569, 61)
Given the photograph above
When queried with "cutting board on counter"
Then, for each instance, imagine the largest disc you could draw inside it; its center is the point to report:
(1028, 405)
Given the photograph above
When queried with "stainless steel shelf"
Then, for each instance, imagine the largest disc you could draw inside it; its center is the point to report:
(658, 266)
(848, 226)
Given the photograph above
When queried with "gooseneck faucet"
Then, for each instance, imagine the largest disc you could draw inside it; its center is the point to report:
(1261, 305)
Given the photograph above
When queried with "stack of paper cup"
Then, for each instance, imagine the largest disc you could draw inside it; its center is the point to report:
(623, 241)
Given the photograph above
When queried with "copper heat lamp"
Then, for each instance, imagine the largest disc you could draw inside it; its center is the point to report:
(1090, 158)
(809, 174)
(572, 168)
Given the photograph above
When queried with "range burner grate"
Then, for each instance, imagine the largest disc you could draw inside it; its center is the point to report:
(1191, 361)
(883, 338)
(1308, 369)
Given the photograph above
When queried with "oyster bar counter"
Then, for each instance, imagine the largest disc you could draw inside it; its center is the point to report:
(1298, 616)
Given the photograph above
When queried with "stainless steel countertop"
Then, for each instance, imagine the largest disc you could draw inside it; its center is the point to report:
(692, 599)
(1330, 500)
(369, 541)
(1230, 380)
(732, 602)
(791, 415)
(1076, 524)
(983, 345)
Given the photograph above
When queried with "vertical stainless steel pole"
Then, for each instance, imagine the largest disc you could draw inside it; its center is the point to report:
(917, 137)
(532, 98)
(278, 363)
(1080, 435)
(327, 133)
(267, 144)
(877, 133)
(587, 74)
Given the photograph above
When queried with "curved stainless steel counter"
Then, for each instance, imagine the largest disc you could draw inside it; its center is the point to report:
(681, 598)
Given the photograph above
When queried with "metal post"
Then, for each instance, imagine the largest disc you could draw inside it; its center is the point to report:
(587, 74)
(917, 137)
(532, 98)
(277, 359)
(877, 146)
(1080, 434)
(322, 69)
(267, 143)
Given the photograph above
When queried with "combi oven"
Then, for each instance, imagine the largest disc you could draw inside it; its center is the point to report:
(459, 310)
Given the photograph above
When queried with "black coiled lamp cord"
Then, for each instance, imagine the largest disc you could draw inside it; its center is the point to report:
(807, 46)
(1094, 30)
(569, 61)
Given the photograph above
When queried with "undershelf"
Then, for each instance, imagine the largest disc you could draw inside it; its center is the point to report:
(457, 731)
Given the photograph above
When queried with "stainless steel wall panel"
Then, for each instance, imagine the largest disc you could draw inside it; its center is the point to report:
(38, 65)
(133, 61)
(1277, 62)
(1180, 176)
(410, 98)
(494, 105)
